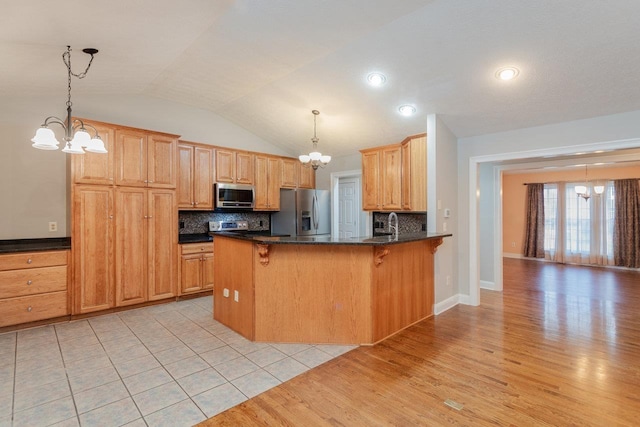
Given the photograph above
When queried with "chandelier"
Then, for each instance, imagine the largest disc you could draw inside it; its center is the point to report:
(584, 191)
(76, 136)
(314, 159)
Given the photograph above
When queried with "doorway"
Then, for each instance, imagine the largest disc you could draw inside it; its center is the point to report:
(347, 216)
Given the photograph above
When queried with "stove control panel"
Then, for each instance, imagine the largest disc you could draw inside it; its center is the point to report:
(228, 225)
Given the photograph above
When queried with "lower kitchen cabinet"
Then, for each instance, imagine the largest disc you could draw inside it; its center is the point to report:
(33, 286)
(145, 245)
(196, 267)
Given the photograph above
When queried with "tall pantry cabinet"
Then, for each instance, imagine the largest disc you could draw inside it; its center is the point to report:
(124, 225)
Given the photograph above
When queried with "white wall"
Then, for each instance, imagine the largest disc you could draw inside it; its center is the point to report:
(606, 132)
(337, 164)
(443, 158)
(486, 233)
(33, 183)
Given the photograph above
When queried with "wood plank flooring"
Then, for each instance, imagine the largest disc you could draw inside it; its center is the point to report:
(560, 346)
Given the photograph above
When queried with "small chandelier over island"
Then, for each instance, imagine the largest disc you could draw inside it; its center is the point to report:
(314, 159)
(76, 136)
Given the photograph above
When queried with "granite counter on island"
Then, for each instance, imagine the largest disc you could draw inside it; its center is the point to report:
(319, 289)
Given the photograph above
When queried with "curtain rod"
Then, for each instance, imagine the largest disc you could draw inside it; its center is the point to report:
(577, 182)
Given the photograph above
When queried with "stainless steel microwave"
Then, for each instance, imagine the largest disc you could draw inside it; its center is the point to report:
(233, 196)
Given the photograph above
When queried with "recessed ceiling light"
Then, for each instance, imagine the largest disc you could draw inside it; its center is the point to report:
(376, 79)
(507, 73)
(407, 110)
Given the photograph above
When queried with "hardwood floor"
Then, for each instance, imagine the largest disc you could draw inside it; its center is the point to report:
(560, 346)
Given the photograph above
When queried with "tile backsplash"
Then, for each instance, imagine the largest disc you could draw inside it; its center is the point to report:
(407, 222)
(198, 222)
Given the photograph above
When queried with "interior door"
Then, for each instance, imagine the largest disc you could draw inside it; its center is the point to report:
(348, 208)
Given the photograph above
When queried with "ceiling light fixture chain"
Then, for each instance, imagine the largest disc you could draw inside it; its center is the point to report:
(76, 137)
(314, 159)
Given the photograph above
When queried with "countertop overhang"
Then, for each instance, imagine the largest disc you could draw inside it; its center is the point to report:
(35, 245)
(329, 240)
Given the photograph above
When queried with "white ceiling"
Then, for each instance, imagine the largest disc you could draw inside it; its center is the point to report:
(265, 65)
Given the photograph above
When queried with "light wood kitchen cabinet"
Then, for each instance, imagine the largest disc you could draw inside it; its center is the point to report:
(306, 176)
(382, 178)
(195, 177)
(33, 286)
(145, 159)
(196, 267)
(145, 226)
(234, 166)
(96, 168)
(267, 183)
(93, 241)
(414, 173)
(289, 173)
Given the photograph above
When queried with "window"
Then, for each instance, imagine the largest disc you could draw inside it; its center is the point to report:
(577, 222)
(550, 216)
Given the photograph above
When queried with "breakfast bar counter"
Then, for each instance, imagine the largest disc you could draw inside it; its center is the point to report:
(319, 289)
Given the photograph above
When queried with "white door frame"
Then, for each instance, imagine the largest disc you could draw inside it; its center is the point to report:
(335, 197)
(474, 218)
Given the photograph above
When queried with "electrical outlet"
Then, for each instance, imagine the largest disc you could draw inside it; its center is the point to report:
(236, 296)
(513, 244)
(260, 223)
(225, 293)
(181, 224)
(444, 226)
(448, 280)
(53, 226)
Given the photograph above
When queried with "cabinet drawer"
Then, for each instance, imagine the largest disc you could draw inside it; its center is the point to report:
(14, 283)
(32, 308)
(32, 260)
(196, 248)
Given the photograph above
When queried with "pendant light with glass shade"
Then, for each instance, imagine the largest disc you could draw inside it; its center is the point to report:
(314, 159)
(76, 137)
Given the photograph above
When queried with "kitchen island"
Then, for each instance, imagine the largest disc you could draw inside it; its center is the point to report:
(319, 289)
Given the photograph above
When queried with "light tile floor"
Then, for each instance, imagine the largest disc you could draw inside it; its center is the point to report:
(169, 364)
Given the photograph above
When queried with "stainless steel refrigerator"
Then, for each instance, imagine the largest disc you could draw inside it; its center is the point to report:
(302, 213)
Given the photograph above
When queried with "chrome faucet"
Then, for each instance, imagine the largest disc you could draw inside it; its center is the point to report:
(393, 228)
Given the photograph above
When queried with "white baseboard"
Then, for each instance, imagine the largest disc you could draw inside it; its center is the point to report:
(445, 305)
(484, 284)
(510, 255)
(464, 299)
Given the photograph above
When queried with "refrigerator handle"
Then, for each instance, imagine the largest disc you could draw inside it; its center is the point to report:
(315, 211)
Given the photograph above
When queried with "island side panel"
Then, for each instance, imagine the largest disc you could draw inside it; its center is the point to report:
(402, 291)
(233, 270)
(314, 294)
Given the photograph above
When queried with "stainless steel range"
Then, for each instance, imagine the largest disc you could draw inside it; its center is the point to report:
(217, 226)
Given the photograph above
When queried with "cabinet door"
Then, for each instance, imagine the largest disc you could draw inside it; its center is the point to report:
(370, 180)
(414, 174)
(162, 273)
(203, 178)
(161, 161)
(225, 166)
(92, 237)
(274, 172)
(262, 183)
(207, 271)
(406, 176)
(131, 246)
(289, 173)
(185, 176)
(306, 177)
(190, 273)
(244, 168)
(95, 168)
(131, 158)
(391, 178)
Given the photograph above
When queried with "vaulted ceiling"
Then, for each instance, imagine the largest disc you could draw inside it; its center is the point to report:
(264, 65)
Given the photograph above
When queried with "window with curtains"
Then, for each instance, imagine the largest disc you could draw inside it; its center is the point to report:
(578, 230)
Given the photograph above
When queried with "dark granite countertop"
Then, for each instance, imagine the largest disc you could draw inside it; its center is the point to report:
(35, 245)
(328, 240)
(195, 238)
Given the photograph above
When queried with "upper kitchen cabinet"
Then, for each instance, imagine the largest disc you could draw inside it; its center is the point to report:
(195, 176)
(235, 167)
(289, 177)
(145, 159)
(268, 171)
(306, 176)
(95, 168)
(382, 178)
(414, 173)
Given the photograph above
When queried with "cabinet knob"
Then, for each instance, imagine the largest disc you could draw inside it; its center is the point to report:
(29, 261)
(146, 181)
(150, 216)
(196, 203)
(29, 309)
(29, 282)
(110, 216)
